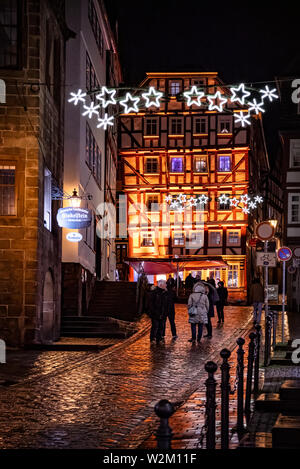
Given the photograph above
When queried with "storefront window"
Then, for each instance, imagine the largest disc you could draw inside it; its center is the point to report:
(233, 276)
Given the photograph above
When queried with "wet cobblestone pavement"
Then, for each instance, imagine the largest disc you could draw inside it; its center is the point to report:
(106, 399)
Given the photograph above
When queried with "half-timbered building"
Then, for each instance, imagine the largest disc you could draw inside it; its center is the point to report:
(190, 150)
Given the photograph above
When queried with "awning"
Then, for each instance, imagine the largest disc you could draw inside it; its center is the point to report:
(153, 268)
(162, 266)
(205, 264)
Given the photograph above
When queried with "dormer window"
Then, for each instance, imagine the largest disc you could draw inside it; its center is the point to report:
(175, 88)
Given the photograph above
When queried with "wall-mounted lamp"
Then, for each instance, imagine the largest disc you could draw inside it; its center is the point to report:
(75, 200)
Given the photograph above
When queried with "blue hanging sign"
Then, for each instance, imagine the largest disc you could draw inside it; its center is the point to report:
(74, 218)
(74, 237)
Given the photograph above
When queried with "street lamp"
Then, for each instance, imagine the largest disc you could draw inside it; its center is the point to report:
(75, 200)
(273, 223)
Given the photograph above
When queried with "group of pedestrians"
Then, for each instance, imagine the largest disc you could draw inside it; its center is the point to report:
(202, 300)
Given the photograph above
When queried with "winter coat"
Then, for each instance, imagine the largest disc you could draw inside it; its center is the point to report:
(158, 304)
(199, 298)
(223, 295)
(256, 293)
(170, 297)
(189, 282)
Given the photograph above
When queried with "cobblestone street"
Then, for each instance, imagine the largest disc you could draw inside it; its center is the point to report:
(106, 399)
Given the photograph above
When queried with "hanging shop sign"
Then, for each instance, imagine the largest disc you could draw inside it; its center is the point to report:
(265, 231)
(74, 237)
(74, 218)
(284, 254)
(266, 259)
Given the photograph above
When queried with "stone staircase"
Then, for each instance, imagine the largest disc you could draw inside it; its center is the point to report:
(114, 300)
(93, 326)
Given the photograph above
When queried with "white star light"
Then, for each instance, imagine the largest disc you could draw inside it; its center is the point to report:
(252, 205)
(245, 199)
(130, 108)
(245, 210)
(213, 99)
(242, 118)
(180, 209)
(152, 97)
(256, 107)
(76, 97)
(203, 199)
(105, 121)
(168, 198)
(234, 202)
(223, 199)
(235, 97)
(193, 96)
(192, 202)
(90, 110)
(181, 198)
(104, 92)
(174, 204)
(267, 93)
(258, 199)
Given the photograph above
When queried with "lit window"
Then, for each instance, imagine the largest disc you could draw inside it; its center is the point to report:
(224, 163)
(215, 238)
(226, 206)
(7, 190)
(176, 126)
(294, 153)
(176, 165)
(151, 126)
(151, 165)
(200, 125)
(233, 276)
(199, 83)
(294, 208)
(174, 88)
(147, 240)
(47, 200)
(195, 240)
(152, 202)
(225, 125)
(233, 237)
(200, 164)
(178, 239)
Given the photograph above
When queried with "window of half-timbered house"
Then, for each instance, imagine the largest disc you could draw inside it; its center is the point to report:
(176, 165)
(225, 206)
(200, 164)
(7, 189)
(174, 87)
(225, 125)
(176, 126)
(233, 276)
(200, 125)
(199, 83)
(233, 237)
(151, 126)
(178, 239)
(294, 208)
(151, 165)
(152, 202)
(147, 240)
(215, 238)
(224, 163)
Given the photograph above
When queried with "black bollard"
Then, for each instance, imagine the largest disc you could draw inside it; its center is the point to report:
(240, 387)
(164, 409)
(252, 337)
(257, 356)
(210, 383)
(268, 334)
(225, 389)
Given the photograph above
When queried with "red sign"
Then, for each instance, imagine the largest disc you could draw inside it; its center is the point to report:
(284, 254)
(265, 231)
(253, 242)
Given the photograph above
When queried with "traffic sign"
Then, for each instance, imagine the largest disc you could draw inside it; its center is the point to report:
(284, 253)
(265, 231)
(291, 269)
(266, 259)
(253, 242)
(296, 252)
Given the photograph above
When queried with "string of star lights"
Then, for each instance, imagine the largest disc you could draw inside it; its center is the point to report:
(181, 202)
(252, 99)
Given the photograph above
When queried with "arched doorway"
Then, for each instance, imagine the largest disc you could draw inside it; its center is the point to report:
(48, 308)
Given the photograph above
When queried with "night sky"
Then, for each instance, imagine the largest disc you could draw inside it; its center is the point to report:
(242, 41)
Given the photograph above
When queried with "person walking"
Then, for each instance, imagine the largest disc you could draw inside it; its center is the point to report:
(189, 283)
(170, 282)
(213, 298)
(158, 310)
(256, 298)
(198, 306)
(170, 312)
(223, 295)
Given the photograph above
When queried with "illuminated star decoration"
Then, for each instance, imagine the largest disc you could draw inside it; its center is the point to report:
(203, 199)
(245, 199)
(105, 121)
(214, 99)
(236, 97)
(90, 110)
(256, 107)
(193, 96)
(168, 198)
(152, 97)
(245, 210)
(234, 202)
(181, 198)
(130, 107)
(242, 118)
(258, 199)
(102, 97)
(252, 205)
(192, 202)
(76, 97)
(267, 93)
(223, 199)
(174, 204)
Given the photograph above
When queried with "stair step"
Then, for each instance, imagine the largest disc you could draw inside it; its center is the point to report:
(286, 432)
(284, 346)
(281, 361)
(269, 402)
(85, 318)
(116, 334)
(290, 390)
